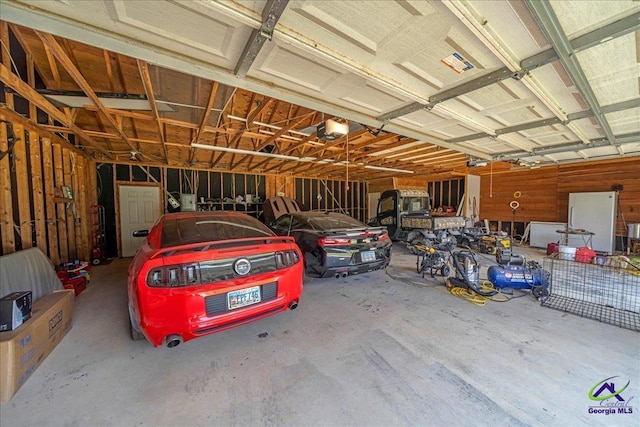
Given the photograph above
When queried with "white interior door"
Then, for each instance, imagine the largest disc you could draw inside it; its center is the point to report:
(472, 199)
(139, 210)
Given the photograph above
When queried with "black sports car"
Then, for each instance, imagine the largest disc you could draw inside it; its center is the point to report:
(334, 244)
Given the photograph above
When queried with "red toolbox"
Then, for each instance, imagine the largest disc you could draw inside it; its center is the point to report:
(74, 276)
(78, 284)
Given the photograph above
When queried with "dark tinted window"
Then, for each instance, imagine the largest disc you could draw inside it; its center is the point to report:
(386, 204)
(207, 228)
(414, 204)
(328, 222)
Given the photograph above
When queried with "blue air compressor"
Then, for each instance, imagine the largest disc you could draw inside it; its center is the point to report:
(529, 276)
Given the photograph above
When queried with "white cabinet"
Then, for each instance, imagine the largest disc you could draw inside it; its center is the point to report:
(543, 233)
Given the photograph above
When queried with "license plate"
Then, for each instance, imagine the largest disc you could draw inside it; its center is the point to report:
(243, 297)
(368, 256)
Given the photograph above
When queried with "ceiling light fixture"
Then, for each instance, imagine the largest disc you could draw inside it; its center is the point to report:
(380, 168)
(240, 151)
(111, 102)
(284, 157)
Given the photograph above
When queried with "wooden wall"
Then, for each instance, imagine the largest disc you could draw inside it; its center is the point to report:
(33, 211)
(400, 183)
(544, 192)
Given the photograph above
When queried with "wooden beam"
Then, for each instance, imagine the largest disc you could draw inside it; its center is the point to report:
(22, 187)
(148, 88)
(50, 205)
(63, 243)
(275, 136)
(107, 64)
(250, 118)
(29, 55)
(205, 117)
(37, 185)
(6, 200)
(53, 66)
(357, 154)
(320, 150)
(5, 54)
(44, 130)
(77, 76)
(30, 94)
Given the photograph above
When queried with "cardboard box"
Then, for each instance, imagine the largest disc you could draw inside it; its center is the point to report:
(15, 309)
(23, 350)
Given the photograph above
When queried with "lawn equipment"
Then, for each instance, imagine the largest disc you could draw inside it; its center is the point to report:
(505, 254)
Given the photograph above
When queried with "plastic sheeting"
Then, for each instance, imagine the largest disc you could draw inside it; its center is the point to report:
(28, 270)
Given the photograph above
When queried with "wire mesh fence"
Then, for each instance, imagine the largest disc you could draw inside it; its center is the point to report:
(609, 294)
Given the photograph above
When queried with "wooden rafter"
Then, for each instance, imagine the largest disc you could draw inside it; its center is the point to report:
(53, 66)
(107, 65)
(27, 49)
(102, 127)
(148, 88)
(320, 150)
(35, 127)
(31, 95)
(235, 141)
(205, 117)
(69, 66)
(250, 118)
(276, 135)
(364, 150)
(222, 154)
(289, 150)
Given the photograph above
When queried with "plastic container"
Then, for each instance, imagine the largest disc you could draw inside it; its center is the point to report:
(552, 248)
(585, 254)
(567, 252)
(600, 260)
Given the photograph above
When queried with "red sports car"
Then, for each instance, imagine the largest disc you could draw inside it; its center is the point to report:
(202, 272)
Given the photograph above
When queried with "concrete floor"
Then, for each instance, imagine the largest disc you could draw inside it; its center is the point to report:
(368, 350)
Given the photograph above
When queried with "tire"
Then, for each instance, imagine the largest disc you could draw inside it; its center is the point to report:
(540, 293)
(420, 264)
(96, 261)
(136, 335)
(311, 264)
(445, 270)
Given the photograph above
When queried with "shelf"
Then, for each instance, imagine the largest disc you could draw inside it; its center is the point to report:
(254, 209)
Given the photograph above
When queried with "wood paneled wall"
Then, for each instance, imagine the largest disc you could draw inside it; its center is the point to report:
(544, 192)
(33, 209)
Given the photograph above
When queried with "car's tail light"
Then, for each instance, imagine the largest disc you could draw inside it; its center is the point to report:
(332, 241)
(174, 276)
(287, 258)
(182, 275)
(383, 237)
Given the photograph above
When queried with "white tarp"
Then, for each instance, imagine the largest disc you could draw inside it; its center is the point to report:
(28, 270)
